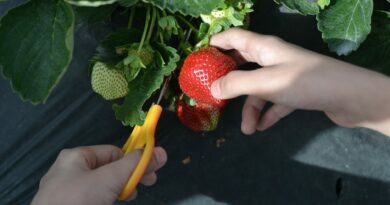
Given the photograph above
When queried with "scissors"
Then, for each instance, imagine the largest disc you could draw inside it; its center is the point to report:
(142, 136)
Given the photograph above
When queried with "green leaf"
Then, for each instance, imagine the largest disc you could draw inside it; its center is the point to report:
(147, 82)
(36, 47)
(345, 24)
(145, 53)
(91, 3)
(375, 51)
(133, 61)
(187, 7)
(231, 13)
(132, 65)
(90, 15)
(305, 7)
(169, 26)
(169, 58)
(128, 3)
(203, 28)
(108, 50)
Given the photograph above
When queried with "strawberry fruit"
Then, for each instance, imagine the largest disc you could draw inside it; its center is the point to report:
(200, 117)
(200, 69)
(108, 82)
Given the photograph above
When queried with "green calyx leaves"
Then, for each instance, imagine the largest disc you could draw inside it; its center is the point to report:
(189, 101)
(35, 50)
(145, 54)
(136, 60)
(169, 26)
(226, 15)
(323, 3)
(231, 13)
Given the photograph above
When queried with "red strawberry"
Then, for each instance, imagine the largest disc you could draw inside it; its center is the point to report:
(200, 117)
(200, 69)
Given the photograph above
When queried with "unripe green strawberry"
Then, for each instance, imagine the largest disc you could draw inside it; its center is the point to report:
(218, 14)
(145, 54)
(109, 83)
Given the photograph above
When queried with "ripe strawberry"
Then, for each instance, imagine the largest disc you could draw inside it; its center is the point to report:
(200, 69)
(200, 117)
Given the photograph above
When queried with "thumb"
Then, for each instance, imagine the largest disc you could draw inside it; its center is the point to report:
(237, 83)
(116, 174)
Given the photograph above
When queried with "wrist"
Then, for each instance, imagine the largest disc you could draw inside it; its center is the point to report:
(368, 100)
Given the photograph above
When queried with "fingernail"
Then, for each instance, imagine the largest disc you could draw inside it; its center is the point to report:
(215, 89)
(161, 155)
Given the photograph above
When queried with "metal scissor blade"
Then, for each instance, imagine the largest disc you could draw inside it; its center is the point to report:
(163, 90)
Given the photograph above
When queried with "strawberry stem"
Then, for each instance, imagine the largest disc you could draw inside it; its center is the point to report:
(189, 24)
(158, 32)
(151, 27)
(131, 18)
(145, 28)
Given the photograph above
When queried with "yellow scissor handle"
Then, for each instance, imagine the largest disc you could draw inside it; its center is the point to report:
(141, 137)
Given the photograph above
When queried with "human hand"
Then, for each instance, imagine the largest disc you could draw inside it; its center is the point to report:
(296, 78)
(93, 175)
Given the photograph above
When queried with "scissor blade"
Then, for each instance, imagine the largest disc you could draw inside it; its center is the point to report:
(163, 90)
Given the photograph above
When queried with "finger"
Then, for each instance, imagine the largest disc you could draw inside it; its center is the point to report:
(263, 49)
(273, 115)
(149, 179)
(233, 39)
(237, 83)
(159, 159)
(251, 114)
(239, 57)
(117, 173)
(132, 196)
(91, 157)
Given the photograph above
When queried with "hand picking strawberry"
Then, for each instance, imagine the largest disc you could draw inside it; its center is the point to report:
(200, 69)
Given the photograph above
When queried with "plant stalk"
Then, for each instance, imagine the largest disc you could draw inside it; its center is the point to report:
(151, 27)
(131, 18)
(189, 24)
(145, 29)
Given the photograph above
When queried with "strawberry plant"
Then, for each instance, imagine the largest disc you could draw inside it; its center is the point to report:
(36, 47)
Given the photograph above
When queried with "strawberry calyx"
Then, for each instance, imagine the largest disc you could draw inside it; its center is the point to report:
(146, 54)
